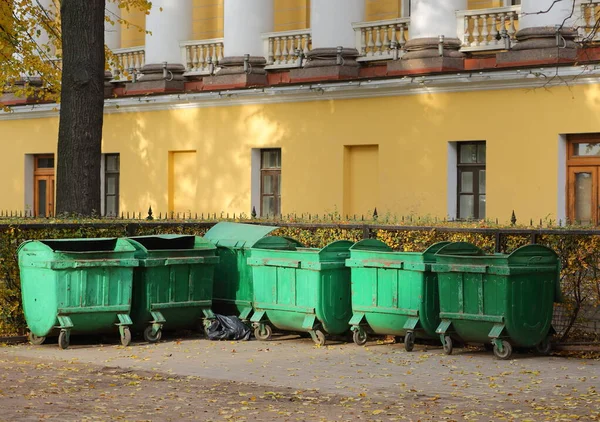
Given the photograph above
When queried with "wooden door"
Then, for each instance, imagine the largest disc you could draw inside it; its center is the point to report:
(43, 186)
(583, 194)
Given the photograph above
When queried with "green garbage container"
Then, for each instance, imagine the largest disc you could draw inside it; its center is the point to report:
(505, 299)
(393, 293)
(76, 285)
(302, 290)
(233, 289)
(172, 288)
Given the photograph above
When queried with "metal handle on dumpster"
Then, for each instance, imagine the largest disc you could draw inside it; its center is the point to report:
(92, 263)
(376, 263)
(274, 262)
(192, 260)
(451, 268)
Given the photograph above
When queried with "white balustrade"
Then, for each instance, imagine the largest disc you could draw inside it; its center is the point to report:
(283, 49)
(590, 30)
(201, 57)
(128, 61)
(482, 29)
(381, 40)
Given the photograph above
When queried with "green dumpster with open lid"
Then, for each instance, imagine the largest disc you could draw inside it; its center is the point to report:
(301, 289)
(76, 285)
(233, 286)
(393, 293)
(172, 288)
(505, 299)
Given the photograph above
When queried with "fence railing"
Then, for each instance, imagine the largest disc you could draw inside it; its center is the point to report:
(202, 56)
(381, 40)
(283, 49)
(486, 29)
(128, 61)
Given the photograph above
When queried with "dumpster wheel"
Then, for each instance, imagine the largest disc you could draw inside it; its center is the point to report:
(263, 332)
(126, 336)
(35, 340)
(544, 347)
(360, 337)
(448, 347)
(409, 341)
(63, 339)
(318, 337)
(152, 338)
(506, 350)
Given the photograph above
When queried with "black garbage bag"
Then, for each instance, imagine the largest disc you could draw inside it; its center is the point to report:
(227, 328)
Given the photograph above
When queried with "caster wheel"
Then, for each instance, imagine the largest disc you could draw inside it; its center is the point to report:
(63, 340)
(360, 337)
(35, 340)
(544, 347)
(448, 347)
(505, 353)
(263, 332)
(152, 338)
(126, 337)
(409, 341)
(319, 338)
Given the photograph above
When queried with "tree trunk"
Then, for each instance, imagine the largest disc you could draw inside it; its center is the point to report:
(81, 109)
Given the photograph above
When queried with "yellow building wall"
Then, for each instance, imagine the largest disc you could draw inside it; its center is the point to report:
(361, 179)
(133, 32)
(207, 19)
(522, 150)
(291, 15)
(183, 181)
(484, 4)
(376, 10)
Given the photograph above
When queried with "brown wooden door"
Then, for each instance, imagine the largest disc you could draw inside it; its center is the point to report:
(43, 186)
(583, 186)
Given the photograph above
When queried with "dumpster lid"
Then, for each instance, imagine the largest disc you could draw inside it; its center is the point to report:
(170, 242)
(370, 245)
(81, 245)
(237, 234)
(460, 248)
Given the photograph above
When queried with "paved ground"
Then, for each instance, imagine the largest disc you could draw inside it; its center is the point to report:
(290, 379)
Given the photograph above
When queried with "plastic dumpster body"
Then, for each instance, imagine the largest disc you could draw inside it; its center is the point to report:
(505, 299)
(76, 285)
(172, 288)
(233, 287)
(302, 290)
(393, 293)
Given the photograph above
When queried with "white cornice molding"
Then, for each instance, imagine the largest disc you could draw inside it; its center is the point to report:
(388, 87)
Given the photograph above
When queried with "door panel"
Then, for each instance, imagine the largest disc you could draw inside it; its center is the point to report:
(583, 194)
(44, 196)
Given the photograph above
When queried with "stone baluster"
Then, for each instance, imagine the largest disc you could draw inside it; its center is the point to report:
(201, 58)
(485, 31)
(378, 44)
(370, 43)
(386, 39)
(363, 42)
(284, 52)
(476, 33)
(277, 50)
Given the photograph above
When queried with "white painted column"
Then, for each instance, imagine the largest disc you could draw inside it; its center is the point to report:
(432, 18)
(112, 33)
(552, 13)
(169, 22)
(331, 22)
(244, 22)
